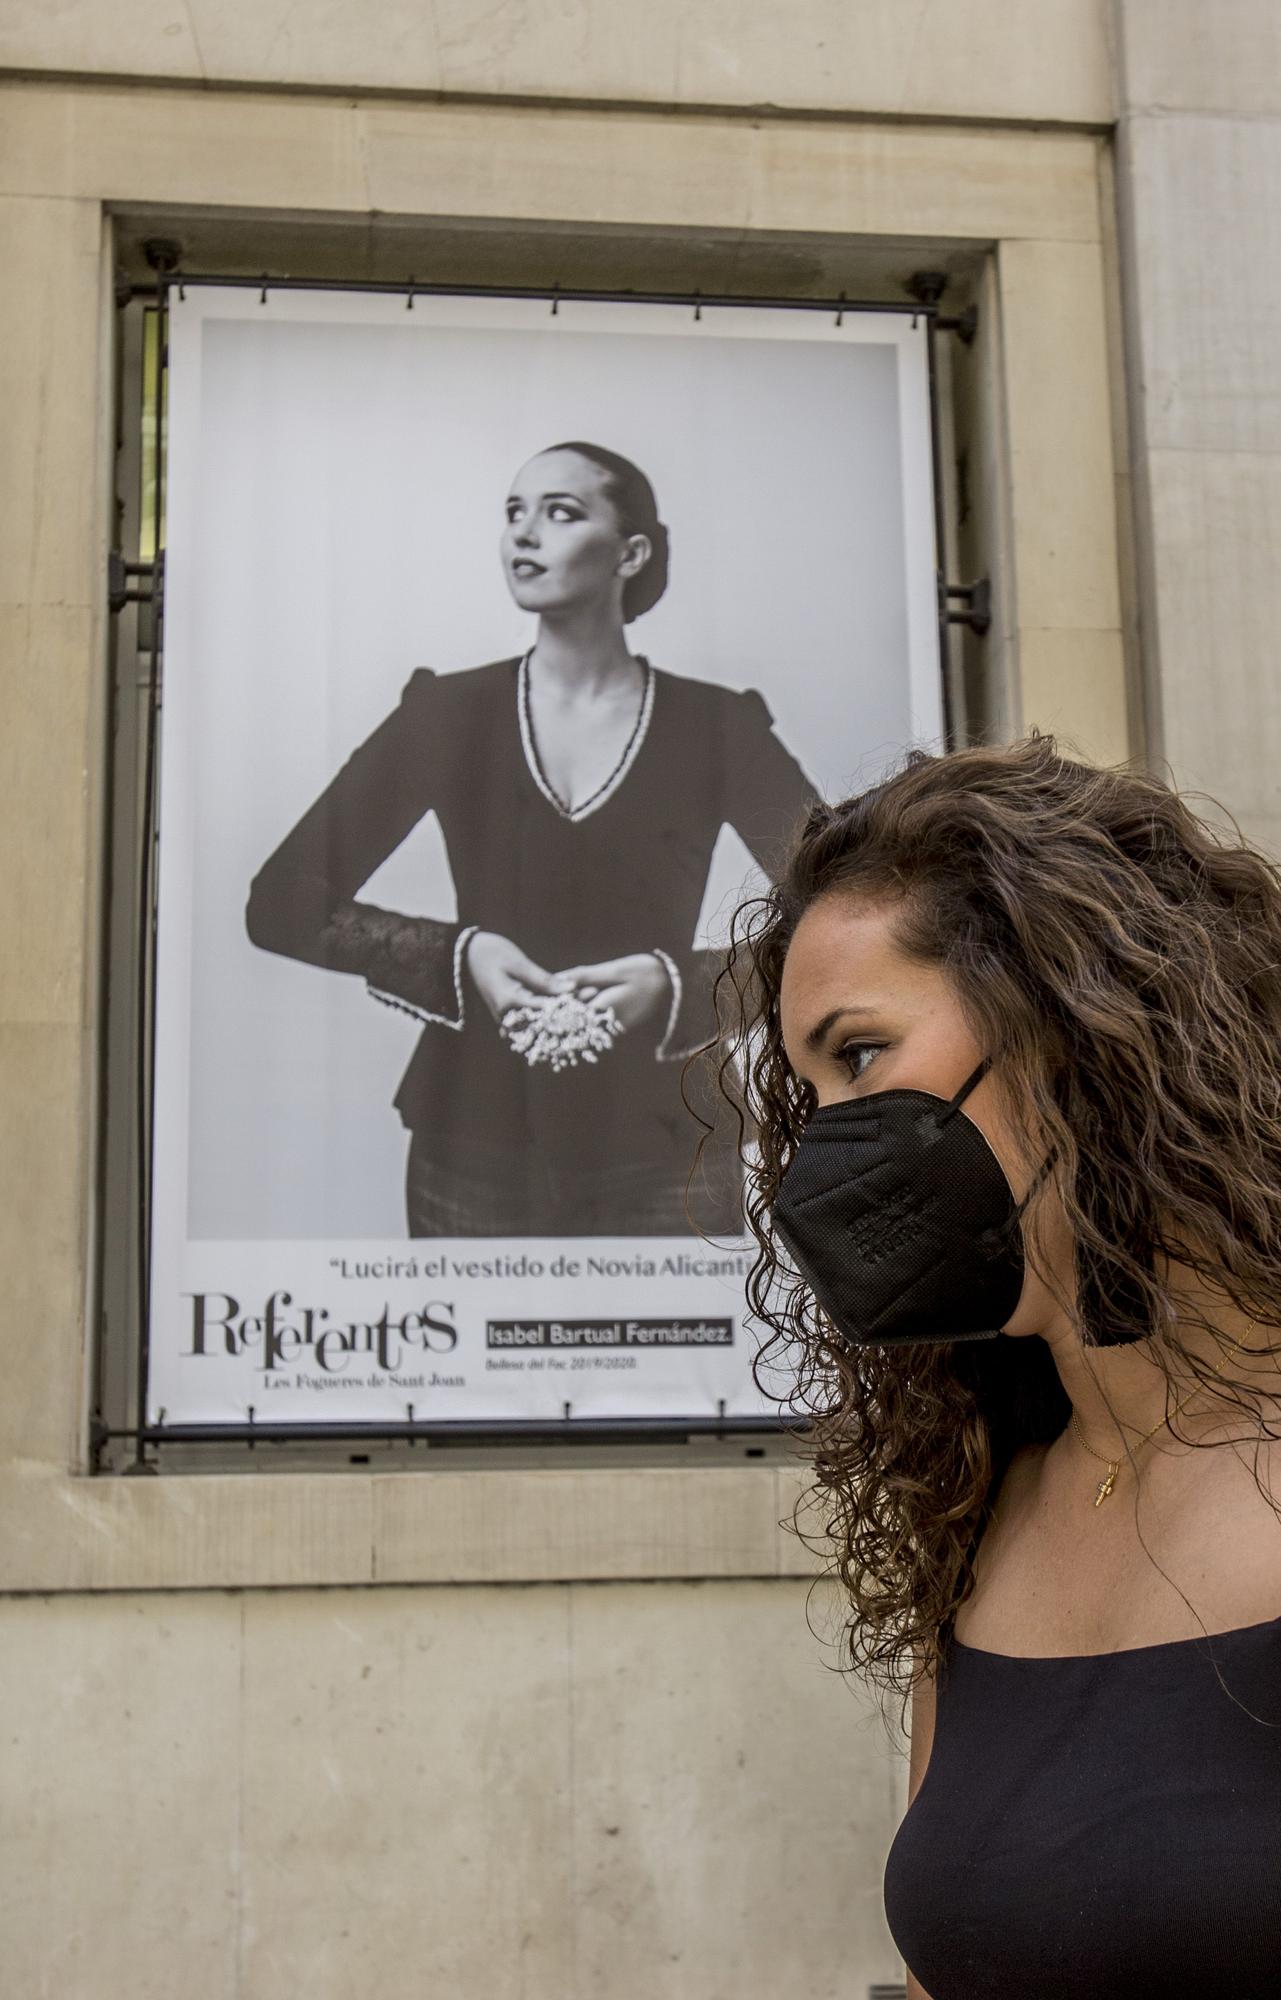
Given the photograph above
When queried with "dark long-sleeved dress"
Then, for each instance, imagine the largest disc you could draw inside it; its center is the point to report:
(626, 872)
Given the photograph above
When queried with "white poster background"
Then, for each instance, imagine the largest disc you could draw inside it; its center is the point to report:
(337, 466)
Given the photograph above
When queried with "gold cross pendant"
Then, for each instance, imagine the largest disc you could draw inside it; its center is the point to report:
(1106, 1485)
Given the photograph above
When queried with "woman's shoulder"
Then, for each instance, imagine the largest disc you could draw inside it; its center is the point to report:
(734, 707)
(494, 681)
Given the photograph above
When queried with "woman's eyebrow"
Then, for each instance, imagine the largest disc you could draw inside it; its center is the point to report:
(577, 498)
(821, 1028)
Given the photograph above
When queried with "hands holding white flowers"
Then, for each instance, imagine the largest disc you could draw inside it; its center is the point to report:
(567, 1017)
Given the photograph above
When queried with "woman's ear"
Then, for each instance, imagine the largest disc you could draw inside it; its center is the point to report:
(636, 554)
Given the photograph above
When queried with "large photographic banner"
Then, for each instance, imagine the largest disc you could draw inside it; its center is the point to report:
(504, 651)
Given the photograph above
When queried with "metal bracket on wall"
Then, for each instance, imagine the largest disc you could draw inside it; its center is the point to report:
(120, 576)
(977, 600)
(929, 287)
(964, 324)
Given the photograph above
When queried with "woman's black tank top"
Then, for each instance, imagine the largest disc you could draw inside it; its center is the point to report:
(1100, 1825)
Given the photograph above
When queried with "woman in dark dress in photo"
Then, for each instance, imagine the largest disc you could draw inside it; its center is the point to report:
(580, 791)
(1016, 1076)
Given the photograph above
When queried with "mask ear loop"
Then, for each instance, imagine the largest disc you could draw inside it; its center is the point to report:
(1042, 1173)
(955, 1103)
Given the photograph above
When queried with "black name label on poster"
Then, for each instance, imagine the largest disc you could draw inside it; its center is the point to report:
(609, 1333)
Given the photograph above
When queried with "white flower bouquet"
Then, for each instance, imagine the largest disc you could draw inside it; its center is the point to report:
(561, 1030)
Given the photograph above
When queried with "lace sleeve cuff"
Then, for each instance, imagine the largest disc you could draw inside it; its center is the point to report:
(422, 1013)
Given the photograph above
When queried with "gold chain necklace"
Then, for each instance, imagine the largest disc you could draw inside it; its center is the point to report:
(1114, 1464)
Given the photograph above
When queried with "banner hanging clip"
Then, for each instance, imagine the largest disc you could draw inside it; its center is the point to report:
(132, 583)
(977, 600)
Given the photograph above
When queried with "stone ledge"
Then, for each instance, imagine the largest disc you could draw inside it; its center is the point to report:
(229, 1530)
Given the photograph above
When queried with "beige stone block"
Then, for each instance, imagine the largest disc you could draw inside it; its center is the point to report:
(1182, 55)
(568, 165)
(35, 138)
(1216, 530)
(1001, 713)
(1058, 426)
(221, 1530)
(711, 172)
(100, 37)
(1074, 683)
(1127, 549)
(1204, 200)
(406, 1821)
(47, 692)
(225, 149)
(610, 1790)
(968, 59)
(547, 1525)
(42, 1280)
(120, 1775)
(185, 1530)
(51, 399)
(726, 1780)
(1051, 61)
(925, 181)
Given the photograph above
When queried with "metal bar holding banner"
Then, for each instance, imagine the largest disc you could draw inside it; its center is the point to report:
(523, 1430)
(419, 288)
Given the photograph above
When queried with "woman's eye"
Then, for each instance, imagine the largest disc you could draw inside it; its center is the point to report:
(850, 1053)
(563, 514)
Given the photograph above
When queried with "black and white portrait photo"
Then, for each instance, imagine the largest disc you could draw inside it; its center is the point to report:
(505, 652)
(580, 790)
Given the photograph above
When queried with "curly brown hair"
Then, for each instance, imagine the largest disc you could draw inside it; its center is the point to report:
(1120, 958)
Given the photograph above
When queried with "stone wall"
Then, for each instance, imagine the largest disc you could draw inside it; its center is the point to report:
(542, 1732)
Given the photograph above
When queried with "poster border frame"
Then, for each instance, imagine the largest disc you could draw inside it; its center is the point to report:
(473, 1431)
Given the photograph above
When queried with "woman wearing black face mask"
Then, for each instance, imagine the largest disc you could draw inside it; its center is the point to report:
(1015, 1063)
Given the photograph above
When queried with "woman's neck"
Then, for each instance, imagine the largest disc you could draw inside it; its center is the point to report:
(1118, 1393)
(583, 653)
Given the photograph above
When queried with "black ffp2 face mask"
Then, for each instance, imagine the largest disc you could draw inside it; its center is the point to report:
(899, 1217)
